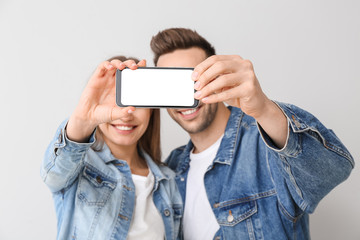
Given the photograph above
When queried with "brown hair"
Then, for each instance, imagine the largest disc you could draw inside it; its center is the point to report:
(123, 58)
(150, 140)
(171, 39)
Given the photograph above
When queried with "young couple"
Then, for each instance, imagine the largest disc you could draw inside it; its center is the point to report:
(252, 170)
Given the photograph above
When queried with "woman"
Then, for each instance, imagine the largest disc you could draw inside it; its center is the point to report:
(103, 168)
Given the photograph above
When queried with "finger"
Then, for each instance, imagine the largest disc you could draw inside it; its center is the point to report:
(230, 94)
(203, 66)
(131, 64)
(218, 68)
(118, 64)
(142, 63)
(103, 68)
(226, 81)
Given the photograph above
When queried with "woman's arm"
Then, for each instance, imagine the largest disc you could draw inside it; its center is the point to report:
(64, 157)
(63, 160)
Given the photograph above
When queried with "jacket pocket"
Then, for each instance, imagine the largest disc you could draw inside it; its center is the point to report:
(94, 187)
(231, 213)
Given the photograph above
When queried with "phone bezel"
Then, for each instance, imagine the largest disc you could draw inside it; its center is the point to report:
(118, 90)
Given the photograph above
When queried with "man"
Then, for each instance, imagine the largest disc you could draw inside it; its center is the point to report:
(255, 169)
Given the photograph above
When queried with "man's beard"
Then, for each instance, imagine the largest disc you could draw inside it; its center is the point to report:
(207, 117)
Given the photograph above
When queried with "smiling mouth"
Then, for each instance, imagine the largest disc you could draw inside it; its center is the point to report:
(125, 129)
(189, 113)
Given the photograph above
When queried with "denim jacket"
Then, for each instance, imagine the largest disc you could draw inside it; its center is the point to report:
(94, 193)
(258, 191)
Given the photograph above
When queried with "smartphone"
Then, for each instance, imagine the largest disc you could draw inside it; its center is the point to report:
(155, 87)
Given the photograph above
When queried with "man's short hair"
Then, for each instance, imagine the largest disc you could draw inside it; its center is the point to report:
(172, 39)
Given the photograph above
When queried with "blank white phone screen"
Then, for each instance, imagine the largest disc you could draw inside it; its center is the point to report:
(157, 87)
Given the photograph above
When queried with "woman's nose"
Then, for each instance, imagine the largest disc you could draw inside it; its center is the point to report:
(128, 116)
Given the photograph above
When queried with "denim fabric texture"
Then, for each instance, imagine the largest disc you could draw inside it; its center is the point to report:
(94, 194)
(258, 191)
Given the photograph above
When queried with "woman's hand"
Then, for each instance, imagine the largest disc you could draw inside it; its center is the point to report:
(97, 102)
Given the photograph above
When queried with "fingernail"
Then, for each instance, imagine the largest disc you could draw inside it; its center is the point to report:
(204, 100)
(109, 66)
(133, 65)
(197, 85)
(194, 75)
(130, 111)
(197, 94)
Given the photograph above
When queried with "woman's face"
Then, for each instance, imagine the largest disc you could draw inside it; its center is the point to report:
(128, 130)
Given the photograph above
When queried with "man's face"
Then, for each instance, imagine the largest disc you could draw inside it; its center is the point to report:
(191, 120)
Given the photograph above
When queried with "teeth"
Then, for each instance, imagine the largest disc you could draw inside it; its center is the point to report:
(188, 112)
(124, 128)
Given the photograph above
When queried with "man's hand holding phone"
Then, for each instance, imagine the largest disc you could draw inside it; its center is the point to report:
(231, 79)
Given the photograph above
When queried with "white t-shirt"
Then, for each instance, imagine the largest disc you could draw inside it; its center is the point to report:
(199, 221)
(146, 222)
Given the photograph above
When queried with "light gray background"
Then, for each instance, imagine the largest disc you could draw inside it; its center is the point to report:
(304, 52)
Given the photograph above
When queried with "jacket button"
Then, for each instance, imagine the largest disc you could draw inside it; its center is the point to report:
(167, 212)
(217, 238)
(230, 217)
(98, 179)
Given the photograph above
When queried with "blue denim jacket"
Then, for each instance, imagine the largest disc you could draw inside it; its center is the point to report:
(94, 193)
(268, 191)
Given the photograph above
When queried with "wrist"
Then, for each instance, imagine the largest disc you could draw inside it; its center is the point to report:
(267, 110)
(79, 129)
(274, 122)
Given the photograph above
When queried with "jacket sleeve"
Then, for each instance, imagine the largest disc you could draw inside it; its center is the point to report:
(312, 163)
(63, 160)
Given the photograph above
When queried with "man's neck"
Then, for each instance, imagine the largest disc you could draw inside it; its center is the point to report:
(211, 134)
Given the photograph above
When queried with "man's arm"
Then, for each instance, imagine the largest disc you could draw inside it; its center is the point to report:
(312, 162)
(310, 157)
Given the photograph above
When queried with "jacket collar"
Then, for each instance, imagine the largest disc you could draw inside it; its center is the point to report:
(107, 156)
(154, 168)
(225, 154)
